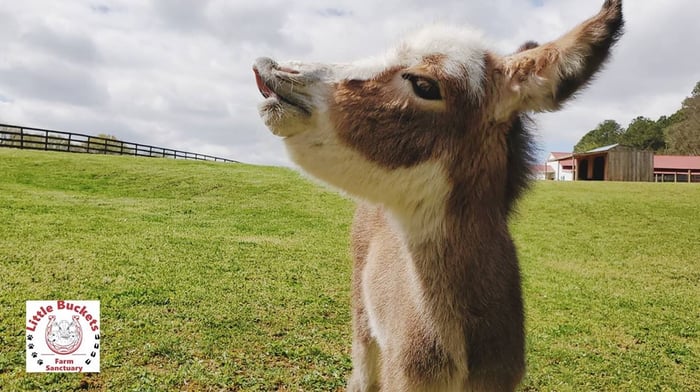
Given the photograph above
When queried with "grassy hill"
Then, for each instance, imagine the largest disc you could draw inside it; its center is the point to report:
(235, 277)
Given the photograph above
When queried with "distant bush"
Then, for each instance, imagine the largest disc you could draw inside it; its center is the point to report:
(105, 144)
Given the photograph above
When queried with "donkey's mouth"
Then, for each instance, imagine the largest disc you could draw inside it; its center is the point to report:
(275, 95)
(265, 90)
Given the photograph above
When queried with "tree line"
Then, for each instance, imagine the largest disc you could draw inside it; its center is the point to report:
(677, 134)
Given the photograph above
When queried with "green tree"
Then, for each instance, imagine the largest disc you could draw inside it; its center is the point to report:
(644, 134)
(678, 133)
(683, 136)
(667, 121)
(606, 133)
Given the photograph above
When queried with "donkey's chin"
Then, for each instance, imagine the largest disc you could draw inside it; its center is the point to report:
(283, 118)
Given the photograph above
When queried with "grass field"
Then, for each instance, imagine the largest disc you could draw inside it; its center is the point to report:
(236, 277)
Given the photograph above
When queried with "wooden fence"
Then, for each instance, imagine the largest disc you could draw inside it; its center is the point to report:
(677, 176)
(14, 136)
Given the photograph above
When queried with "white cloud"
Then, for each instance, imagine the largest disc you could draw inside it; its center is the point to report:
(177, 73)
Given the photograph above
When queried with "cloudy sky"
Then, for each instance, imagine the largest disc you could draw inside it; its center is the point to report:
(177, 73)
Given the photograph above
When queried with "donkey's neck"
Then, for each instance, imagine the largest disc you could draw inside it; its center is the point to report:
(464, 258)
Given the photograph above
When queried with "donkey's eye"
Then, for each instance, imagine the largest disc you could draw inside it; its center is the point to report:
(424, 87)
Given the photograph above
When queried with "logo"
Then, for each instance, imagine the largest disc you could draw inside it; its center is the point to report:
(63, 336)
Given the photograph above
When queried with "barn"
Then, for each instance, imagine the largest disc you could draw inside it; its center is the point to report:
(610, 163)
(614, 163)
(621, 163)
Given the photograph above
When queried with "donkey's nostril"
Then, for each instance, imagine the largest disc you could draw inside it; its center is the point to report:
(288, 70)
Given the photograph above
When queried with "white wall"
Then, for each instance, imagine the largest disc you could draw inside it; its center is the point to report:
(559, 173)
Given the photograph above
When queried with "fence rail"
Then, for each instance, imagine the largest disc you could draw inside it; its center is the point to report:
(14, 136)
(677, 176)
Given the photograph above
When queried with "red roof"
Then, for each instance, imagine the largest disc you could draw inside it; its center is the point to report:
(564, 158)
(559, 155)
(542, 169)
(568, 162)
(676, 162)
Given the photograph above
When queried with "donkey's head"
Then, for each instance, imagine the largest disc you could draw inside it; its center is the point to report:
(439, 112)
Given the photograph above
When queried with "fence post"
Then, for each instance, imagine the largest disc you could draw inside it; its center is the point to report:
(46, 140)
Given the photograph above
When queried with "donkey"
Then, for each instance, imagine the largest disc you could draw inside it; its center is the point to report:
(432, 141)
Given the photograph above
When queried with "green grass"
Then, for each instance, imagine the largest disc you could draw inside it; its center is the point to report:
(236, 277)
(612, 286)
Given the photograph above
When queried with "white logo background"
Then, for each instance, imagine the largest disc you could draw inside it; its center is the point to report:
(63, 336)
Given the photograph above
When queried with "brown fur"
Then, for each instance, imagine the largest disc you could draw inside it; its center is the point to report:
(471, 273)
(436, 285)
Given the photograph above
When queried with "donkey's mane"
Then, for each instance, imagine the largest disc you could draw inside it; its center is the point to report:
(521, 158)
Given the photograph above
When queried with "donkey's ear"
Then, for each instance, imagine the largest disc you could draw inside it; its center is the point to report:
(542, 77)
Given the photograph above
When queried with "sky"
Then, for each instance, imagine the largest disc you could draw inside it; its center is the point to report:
(177, 73)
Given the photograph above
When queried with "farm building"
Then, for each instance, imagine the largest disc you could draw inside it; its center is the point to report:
(561, 166)
(614, 163)
(542, 172)
(673, 168)
(621, 163)
(609, 163)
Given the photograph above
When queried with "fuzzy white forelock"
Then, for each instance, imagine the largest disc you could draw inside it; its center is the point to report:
(462, 49)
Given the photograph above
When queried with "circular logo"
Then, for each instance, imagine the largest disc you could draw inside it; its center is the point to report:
(64, 336)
